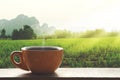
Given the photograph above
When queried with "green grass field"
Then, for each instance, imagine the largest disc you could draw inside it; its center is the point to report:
(82, 52)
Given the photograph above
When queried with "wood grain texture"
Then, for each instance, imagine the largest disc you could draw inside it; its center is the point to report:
(63, 74)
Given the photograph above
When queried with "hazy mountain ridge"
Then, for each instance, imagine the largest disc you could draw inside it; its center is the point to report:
(20, 21)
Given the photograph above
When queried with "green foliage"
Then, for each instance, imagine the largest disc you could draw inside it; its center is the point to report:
(25, 33)
(15, 34)
(82, 52)
(3, 34)
(113, 34)
(62, 34)
(28, 33)
(87, 34)
(94, 33)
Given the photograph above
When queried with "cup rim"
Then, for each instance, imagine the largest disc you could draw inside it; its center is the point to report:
(53, 48)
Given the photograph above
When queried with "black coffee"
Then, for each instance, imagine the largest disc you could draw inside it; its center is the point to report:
(44, 48)
(41, 48)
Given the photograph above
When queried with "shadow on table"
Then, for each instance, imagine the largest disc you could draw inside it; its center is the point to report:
(38, 75)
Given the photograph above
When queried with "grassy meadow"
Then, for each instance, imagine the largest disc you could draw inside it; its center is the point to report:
(78, 52)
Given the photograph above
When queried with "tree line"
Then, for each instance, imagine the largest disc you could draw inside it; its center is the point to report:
(28, 33)
(85, 34)
(23, 33)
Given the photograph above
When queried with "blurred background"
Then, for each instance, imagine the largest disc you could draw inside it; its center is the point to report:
(88, 30)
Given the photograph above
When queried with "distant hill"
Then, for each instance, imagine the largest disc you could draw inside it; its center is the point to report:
(20, 20)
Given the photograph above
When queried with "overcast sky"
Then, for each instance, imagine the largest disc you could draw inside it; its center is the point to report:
(75, 15)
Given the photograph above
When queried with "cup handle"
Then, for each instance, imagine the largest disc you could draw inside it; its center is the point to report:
(20, 64)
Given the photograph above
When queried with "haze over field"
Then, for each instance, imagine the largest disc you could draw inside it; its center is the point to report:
(74, 15)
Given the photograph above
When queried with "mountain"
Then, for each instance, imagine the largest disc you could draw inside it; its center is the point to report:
(21, 20)
(45, 30)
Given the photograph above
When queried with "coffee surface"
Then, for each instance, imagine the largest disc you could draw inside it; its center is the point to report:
(41, 48)
(44, 48)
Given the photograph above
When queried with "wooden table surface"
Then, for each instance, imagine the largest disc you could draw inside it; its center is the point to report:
(63, 74)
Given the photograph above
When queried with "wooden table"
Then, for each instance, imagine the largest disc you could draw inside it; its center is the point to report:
(63, 74)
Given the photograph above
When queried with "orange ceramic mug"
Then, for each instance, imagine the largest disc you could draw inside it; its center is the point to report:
(38, 59)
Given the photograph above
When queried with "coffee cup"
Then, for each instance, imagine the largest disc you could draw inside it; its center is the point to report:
(38, 59)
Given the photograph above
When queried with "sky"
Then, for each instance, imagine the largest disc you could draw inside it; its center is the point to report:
(74, 15)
